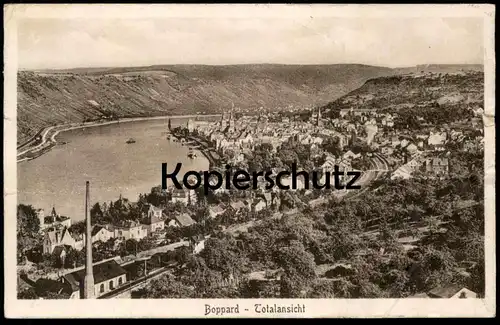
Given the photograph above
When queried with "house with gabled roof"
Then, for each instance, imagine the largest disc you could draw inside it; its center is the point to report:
(215, 211)
(154, 219)
(101, 233)
(351, 155)
(153, 211)
(181, 220)
(131, 230)
(238, 205)
(452, 291)
(108, 276)
(155, 224)
(52, 220)
(184, 196)
(60, 236)
(437, 165)
(179, 195)
(259, 204)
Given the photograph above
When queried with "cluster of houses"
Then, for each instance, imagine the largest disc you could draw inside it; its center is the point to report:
(423, 152)
(59, 235)
(428, 154)
(240, 138)
(243, 135)
(109, 274)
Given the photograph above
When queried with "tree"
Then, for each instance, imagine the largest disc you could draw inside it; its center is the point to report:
(222, 255)
(74, 258)
(288, 157)
(173, 234)
(131, 246)
(145, 244)
(323, 289)
(157, 196)
(96, 214)
(28, 293)
(298, 266)
(332, 145)
(78, 227)
(28, 226)
(165, 287)
(477, 280)
(202, 214)
(182, 255)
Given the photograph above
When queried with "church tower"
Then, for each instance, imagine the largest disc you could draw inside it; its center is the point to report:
(318, 117)
(231, 118)
(222, 122)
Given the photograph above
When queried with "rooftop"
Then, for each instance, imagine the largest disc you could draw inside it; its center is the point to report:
(184, 220)
(445, 292)
(46, 286)
(102, 272)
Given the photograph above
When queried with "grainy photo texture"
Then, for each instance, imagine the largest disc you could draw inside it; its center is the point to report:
(361, 140)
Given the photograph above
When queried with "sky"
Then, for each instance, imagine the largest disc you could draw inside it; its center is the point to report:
(73, 43)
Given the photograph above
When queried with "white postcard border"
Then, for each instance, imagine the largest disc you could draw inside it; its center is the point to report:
(182, 308)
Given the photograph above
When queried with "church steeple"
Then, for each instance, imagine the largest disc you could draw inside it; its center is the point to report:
(318, 117)
(231, 116)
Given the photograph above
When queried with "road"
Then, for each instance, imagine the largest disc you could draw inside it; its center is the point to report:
(40, 145)
(65, 127)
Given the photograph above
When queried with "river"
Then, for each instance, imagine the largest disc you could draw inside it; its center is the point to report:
(101, 155)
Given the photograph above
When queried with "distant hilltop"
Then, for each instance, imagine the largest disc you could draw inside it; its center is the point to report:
(52, 97)
(46, 98)
(442, 68)
(414, 89)
(197, 69)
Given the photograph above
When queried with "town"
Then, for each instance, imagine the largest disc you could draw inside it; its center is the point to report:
(412, 230)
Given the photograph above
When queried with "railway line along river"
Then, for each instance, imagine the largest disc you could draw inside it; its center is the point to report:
(101, 155)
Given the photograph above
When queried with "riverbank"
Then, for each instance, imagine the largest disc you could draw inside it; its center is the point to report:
(48, 135)
(205, 149)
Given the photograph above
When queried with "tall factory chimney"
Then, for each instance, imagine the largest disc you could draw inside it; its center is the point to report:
(88, 292)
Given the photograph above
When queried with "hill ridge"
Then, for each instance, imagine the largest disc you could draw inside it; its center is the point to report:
(47, 98)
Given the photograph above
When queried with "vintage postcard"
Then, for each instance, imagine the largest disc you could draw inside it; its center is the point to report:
(249, 161)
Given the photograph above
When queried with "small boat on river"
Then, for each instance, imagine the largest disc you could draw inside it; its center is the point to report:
(191, 154)
(129, 141)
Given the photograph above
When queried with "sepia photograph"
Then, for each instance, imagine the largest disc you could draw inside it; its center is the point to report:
(249, 160)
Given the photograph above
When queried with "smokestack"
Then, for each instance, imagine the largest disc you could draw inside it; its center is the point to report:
(88, 292)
